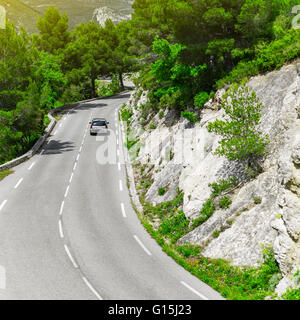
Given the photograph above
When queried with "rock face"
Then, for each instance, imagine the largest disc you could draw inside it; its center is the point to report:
(192, 166)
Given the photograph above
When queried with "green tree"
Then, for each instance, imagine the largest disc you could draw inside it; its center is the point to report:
(241, 140)
(53, 28)
(87, 56)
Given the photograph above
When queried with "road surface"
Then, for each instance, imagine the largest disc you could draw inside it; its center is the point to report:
(67, 228)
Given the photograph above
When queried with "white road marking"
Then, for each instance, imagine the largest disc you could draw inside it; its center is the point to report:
(80, 150)
(78, 156)
(19, 182)
(123, 210)
(75, 165)
(118, 153)
(67, 191)
(61, 208)
(92, 288)
(42, 152)
(71, 178)
(3, 204)
(60, 125)
(49, 141)
(121, 185)
(2, 278)
(55, 133)
(70, 256)
(142, 245)
(61, 233)
(32, 165)
(194, 291)
(119, 166)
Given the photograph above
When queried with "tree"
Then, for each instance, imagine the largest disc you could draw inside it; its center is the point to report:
(87, 56)
(241, 140)
(53, 28)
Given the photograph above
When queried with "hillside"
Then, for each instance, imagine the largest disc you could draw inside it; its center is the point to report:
(26, 12)
(263, 211)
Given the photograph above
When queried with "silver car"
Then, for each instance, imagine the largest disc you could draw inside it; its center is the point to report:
(98, 126)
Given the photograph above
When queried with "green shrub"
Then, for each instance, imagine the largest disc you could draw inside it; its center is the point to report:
(292, 294)
(126, 114)
(223, 185)
(225, 202)
(191, 116)
(174, 227)
(188, 250)
(200, 99)
(161, 191)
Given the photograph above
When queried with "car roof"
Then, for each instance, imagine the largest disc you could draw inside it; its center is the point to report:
(98, 119)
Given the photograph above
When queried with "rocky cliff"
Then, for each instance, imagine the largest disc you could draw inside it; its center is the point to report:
(264, 210)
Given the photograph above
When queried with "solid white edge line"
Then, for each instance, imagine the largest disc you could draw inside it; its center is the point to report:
(61, 233)
(123, 210)
(92, 288)
(78, 156)
(70, 256)
(75, 165)
(18, 184)
(3, 204)
(194, 291)
(142, 245)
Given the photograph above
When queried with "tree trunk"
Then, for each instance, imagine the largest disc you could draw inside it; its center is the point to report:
(93, 83)
(121, 81)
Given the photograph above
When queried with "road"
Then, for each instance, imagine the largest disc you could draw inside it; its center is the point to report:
(67, 228)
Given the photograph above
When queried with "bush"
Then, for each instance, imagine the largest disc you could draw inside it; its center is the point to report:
(161, 191)
(188, 250)
(174, 227)
(225, 202)
(200, 99)
(191, 116)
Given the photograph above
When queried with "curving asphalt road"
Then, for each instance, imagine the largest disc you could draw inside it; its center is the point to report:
(67, 228)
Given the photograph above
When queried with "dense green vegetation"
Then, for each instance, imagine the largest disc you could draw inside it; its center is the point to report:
(55, 67)
(184, 50)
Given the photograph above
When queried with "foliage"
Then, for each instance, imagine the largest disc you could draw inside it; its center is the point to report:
(161, 191)
(225, 202)
(174, 227)
(191, 116)
(241, 140)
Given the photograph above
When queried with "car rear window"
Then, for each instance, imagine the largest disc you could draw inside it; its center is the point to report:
(99, 123)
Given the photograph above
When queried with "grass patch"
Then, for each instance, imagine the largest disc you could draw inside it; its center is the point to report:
(5, 173)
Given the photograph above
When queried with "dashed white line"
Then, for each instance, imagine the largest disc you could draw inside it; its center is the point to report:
(123, 210)
(119, 166)
(18, 184)
(67, 191)
(71, 178)
(42, 152)
(92, 288)
(55, 133)
(3, 204)
(70, 256)
(32, 165)
(61, 233)
(118, 153)
(121, 185)
(193, 290)
(142, 245)
(61, 208)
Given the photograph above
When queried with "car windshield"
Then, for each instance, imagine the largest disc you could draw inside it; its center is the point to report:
(100, 123)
